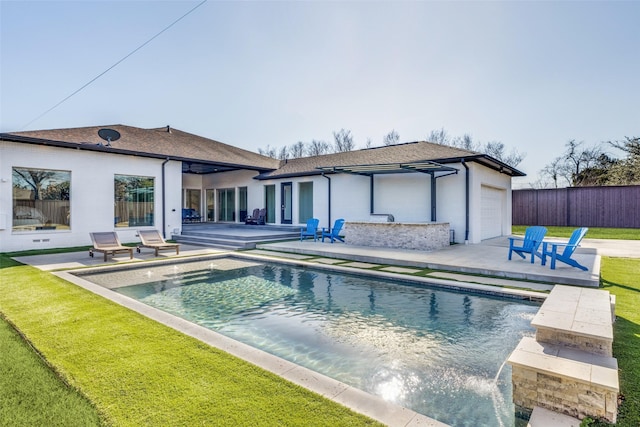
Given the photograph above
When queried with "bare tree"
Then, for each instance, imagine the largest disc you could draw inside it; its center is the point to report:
(466, 142)
(343, 141)
(297, 150)
(283, 154)
(578, 165)
(369, 143)
(440, 136)
(269, 152)
(318, 147)
(391, 138)
(496, 150)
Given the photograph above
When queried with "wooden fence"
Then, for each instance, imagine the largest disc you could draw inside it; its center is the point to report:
(578, 207)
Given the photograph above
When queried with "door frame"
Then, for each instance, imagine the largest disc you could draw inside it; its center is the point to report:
(286, 202)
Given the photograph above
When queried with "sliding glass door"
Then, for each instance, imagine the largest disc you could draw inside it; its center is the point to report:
(227, 204)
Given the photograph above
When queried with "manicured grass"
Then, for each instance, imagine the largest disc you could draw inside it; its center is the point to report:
(620, 276)
(593, 233)
(138, 372)
(30, 392)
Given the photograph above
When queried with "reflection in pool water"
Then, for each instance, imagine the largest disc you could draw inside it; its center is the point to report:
(438, 352)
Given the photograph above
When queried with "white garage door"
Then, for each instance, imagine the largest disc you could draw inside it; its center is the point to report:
(492, 206)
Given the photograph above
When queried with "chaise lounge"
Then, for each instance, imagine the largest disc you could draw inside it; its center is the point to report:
(108, 243)
(152, 239)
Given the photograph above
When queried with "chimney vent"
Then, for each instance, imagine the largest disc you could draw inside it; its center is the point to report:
(168, 129)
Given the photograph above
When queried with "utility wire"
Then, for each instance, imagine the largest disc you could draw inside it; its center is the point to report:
(116, 64)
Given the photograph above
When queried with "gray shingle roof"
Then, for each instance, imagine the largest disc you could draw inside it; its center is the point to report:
(176, 144)
(160, 142)
(400, 153)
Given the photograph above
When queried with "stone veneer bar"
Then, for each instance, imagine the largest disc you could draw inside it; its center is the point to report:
(424, 236)
(568, 367)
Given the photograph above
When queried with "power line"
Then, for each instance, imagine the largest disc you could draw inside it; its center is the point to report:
(116, 64)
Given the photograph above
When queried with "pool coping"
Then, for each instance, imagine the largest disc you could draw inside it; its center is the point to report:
(359, 401)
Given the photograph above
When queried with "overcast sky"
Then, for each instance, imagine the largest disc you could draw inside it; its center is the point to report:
(532, 75)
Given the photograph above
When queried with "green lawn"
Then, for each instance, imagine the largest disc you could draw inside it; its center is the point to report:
(136, 371)
(593, 233)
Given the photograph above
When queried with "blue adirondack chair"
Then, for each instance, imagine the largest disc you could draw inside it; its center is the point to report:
(551, 249)
(532, 239)
(333, 233)
(311, 230)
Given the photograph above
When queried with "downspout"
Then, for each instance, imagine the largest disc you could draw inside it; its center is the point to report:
(328, 201)
(164, 204)
(466, 203)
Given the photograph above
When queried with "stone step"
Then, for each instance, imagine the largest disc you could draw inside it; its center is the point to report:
(541, 417)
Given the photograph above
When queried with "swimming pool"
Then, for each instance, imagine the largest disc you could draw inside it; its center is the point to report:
(438, 352)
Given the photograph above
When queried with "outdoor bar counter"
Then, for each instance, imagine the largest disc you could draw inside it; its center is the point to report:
(424, 236)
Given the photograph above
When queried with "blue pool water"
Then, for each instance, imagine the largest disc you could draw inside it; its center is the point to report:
(438, 352)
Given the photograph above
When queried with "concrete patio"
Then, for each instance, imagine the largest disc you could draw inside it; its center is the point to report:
(488, 258)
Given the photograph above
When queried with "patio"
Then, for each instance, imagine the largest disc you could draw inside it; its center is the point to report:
(488, 258)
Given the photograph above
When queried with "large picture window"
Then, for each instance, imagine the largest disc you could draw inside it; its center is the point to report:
(133, 201)
(41, 199)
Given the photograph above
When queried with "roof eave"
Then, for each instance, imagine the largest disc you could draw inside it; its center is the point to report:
(110, 149)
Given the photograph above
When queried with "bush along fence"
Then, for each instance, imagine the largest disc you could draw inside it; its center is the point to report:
(617, 207)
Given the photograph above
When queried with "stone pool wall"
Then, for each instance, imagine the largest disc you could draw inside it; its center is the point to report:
(568, 367)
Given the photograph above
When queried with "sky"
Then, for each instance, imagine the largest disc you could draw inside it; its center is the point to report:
(256, 74)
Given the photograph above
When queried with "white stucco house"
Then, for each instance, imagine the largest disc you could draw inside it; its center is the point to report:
(57, 186)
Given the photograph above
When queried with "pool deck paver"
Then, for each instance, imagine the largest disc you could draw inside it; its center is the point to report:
(360, 265)
(403, 270)
(541, 417)
(492, 281)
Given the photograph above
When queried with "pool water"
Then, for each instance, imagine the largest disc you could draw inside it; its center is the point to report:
(438, 352)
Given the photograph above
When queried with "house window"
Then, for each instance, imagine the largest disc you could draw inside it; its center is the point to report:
(133, 201)
(41, 199)
(305, 206)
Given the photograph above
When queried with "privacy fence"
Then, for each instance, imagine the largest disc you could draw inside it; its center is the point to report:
(578, 207)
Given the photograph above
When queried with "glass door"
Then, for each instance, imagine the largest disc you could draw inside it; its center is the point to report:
(211, 205)
(242, 203)
(226, 204)
(270, 203)
(286, 210)
(305, 208)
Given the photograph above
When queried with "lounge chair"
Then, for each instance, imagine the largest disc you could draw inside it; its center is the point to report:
(530, 243)
(551, 249)
(333, 233)
(311, 230)
(152, 239)
(253, 218)
(108, 243)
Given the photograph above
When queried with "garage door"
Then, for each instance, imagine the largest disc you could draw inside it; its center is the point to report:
(492, 207)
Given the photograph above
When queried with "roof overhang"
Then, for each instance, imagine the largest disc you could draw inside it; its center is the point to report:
(426, 166)
(189, 165)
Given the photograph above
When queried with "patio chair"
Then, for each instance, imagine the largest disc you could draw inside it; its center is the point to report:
(311, 230)
(333, 233)
(152, 239)
(108, 243)
(530, 243)
(253, 218)
(551, 249)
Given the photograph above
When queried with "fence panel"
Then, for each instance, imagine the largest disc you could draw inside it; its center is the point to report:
(578, 207)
